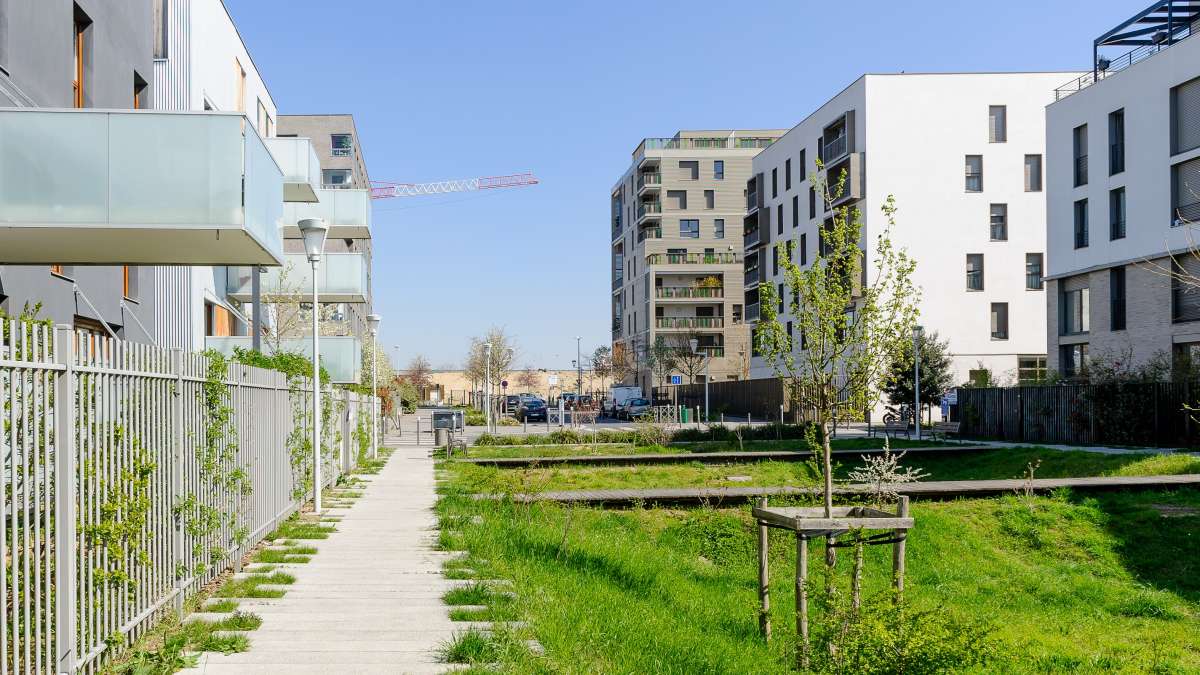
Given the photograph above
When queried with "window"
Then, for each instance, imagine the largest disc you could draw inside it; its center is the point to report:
(974, 271)
(1185, 297)
(336, 178)
(1081, 223)
(999, 320)
(1116, 298)
(812, 202)
(239, 74)
(690, 170)
(1185, 192)
(140, 89)
(342, 144)
(974, 171)
(997, 124)
(1116, 141)
(787, 174)
(1079, 140)
(781, 298)
(774, 182)
(1073, 359)
(689, 229)
(719, 228)
(719, 169)
(161, 33)
(999, 222)
(1075, 311)
(779, 219)
(804, 248)
(789, 331)
(795, 210)
(218, 321)
(774, 261)
(1185, 117)
(1116, 213)
(80, 58)
(679, 197)
(1033, 173)
(710, 198)
(737, 313)
(1031, 369)
(129, 282)
(1033, 272)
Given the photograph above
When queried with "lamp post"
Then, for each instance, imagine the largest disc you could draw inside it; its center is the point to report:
(373, 323)
(487, 383)
(707, 358)
(917, 331)
(578, 369)
(313, 230)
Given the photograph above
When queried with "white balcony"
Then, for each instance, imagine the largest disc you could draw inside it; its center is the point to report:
(136, 187)
(301, 168)
(341, 355)
(341, 277)
(347, 213)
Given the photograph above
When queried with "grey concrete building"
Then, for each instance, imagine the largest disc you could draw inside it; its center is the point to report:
(79, 54)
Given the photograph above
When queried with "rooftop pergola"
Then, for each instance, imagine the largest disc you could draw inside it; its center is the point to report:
(1159, 25)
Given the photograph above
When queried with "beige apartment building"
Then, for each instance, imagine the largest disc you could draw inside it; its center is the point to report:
(677, 249)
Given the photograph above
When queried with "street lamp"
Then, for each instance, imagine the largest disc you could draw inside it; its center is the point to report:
(578, 368)
(707, 358)
(487, 382)
(373, 323)
(917, 332)
(313, 230)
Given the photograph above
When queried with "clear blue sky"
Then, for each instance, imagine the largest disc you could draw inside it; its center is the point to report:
(567, 89)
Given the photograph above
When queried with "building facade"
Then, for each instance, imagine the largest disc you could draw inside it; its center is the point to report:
(1123, 160)
(59, 54)
(963, 156)
(676, 251)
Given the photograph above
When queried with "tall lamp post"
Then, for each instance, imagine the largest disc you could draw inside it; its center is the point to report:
(373, 323)
(707, 358)
(313, 230)
(917, 332)
(487, 383)
(578, 369)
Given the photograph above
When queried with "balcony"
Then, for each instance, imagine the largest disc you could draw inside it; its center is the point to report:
(687, 322)
(301, 168)
(649, 233)
(136, 187)
(647, 210)
(755, 275)
(688, 292)
(752, 238)
(342, 277)
(752, 313)
(852, 167)
(834, 149)
(692, 259)
(347, 213)
(618, 283)
(648, 181)
(616, 326)
(713, 351)
(341, 355)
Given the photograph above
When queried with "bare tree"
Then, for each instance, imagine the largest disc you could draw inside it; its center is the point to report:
(290, 308)
(527, 379)
(418, 374)
(690, 363)
(662, 359)
(602, 363)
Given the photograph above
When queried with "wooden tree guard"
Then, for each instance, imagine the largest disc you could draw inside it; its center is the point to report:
(810, 522)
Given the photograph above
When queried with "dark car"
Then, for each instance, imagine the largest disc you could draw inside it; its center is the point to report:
(511, 403)
(532, 410)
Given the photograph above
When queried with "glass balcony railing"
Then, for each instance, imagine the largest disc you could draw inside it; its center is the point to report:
(347, 213)
(752, 313)
(649, 233)
(646, 180)
(136, 187)
(754, 275)
(648, 209)
(688, 292)
(713, 351)
(689, 322)
(752, 238)
(301, 168)
(341, 355)
(342, 277)
(692, 259)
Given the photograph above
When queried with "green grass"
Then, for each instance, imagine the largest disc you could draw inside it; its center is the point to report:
(249, 587)
(293, 554)
(589, 449)
(1070, 584)
(471, 646)
(221, 606)
(475, 594)
(294, 528)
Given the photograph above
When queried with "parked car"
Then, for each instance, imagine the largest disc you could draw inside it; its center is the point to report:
(585, 401)
(532, 410)
(634, 408)
(608, 407)
(511, 403)
(567, 398)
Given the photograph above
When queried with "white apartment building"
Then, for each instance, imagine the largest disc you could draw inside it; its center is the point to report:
(962, 153)
(1123, 174)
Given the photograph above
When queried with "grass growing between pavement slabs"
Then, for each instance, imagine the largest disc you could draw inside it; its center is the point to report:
(248, 587)
(968, 465)
(1065, 583)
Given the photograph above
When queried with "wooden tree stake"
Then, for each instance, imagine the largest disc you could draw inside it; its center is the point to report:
(898, 549)
(764, 591)
(802, 600)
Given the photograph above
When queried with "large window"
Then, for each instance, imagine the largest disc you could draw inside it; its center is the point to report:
(1072, 359)
(1075, 311)
(1185, 297)
(689, 229)
(343, 145)
(1116, 141)
(1116, 298)
(1079, 140)
(974, 173)
(999, 320)
(689, 170)
(336, 178)
(1081, 223)
(1116, 213)
(1031, 369)
(1033, 173)
(719, 169)
(999, 222)
(678, 198)
(1185, 116)
(1185, 192)
(719, 228)
(1033, 272)
(974, 271)
(997, 124)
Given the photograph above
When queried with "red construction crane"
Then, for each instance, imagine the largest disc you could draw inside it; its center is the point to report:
(386, 190)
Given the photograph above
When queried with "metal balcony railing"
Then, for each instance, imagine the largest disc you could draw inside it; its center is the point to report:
(1114, 66)
(751, 200)
(754, 276)
(649, 233)
(834, 149)
(752, 238)
(688, 292)
(752, 313)
(692, 259)
(689, 322)
(618, 282)
(649, 180)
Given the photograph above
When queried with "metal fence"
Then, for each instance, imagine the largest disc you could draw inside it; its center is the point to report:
(1146, 414)
(760, 398)
(134, 475)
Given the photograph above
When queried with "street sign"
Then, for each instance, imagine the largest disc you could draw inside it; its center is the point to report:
(951, 397)
(552, 380)
(504, 384)
(676, 379)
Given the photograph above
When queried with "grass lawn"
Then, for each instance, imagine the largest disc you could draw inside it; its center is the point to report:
(1068, 584)
(972, 464)
(581, 449)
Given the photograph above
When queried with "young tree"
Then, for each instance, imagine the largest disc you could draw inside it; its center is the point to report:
(689, 363)
(852, 327)
(527, 379)
(418, 374)
(662, 359)
(290, 309)
(936, 375)
(602, 363)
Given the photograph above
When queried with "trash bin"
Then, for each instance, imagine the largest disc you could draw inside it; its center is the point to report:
(441, 437)
(685, 415)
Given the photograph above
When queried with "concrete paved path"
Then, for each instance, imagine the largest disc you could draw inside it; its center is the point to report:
(370, 600)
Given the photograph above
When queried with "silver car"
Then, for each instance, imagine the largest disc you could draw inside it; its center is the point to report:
(634, 408)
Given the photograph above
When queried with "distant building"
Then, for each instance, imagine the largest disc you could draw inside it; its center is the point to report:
(1123, 175)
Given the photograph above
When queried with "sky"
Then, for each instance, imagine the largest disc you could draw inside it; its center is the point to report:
(567, 90)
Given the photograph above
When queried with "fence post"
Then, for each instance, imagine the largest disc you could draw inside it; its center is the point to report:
(65, 423)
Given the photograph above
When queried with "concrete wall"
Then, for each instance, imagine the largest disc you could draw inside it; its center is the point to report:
(36, 69)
